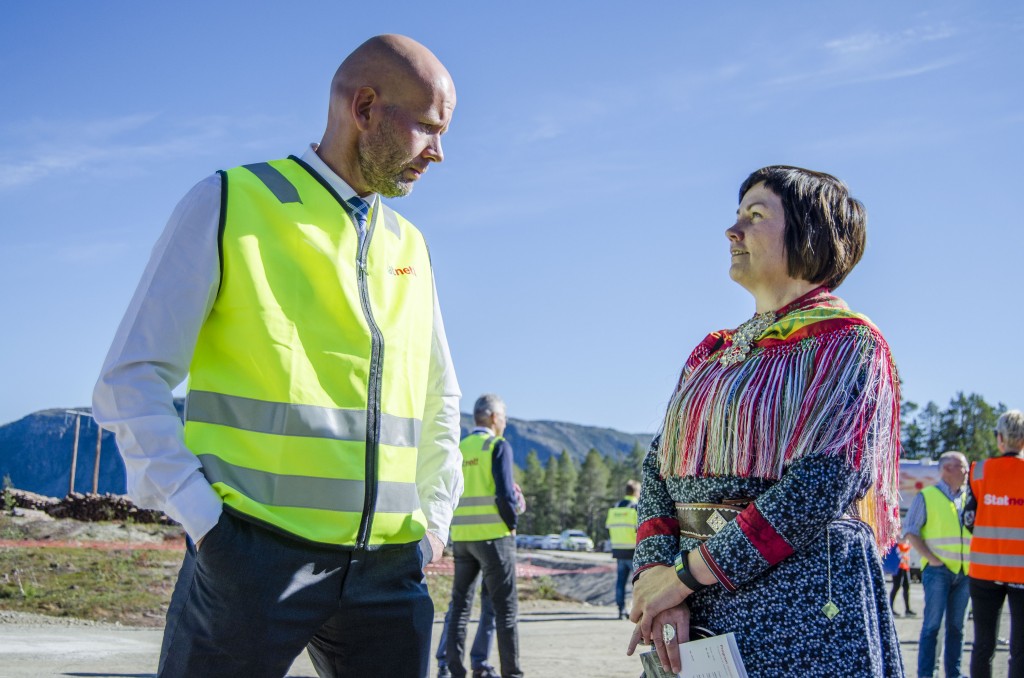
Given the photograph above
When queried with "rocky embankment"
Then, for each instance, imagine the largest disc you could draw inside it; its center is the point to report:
(84, 507)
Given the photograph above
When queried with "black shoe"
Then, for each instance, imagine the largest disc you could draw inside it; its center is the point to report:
(443, 672)
(896, 614)
(485, 672)
(911, 613)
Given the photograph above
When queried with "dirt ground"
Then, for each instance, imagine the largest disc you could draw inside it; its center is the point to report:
(557, 638)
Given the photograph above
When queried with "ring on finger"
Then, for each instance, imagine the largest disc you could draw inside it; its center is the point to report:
(668, 633)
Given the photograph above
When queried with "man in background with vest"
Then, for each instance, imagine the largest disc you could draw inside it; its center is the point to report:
(621, 524)
(934, 526)
(997, 550)
(483, 539)
(317, 469)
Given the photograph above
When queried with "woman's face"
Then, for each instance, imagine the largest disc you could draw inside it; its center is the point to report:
(756, 242)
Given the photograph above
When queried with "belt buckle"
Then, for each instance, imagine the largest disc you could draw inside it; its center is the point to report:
(716, 521)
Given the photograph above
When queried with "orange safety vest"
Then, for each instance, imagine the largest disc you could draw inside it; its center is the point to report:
(997, 549)
(904, 556)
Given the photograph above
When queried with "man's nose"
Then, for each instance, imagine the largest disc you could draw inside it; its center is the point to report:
(433, 151)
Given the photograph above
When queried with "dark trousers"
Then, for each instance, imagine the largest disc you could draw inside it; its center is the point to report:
(901, 579)
(625, 569)
(987, 603)
(249, 602)
(496, 560)
(484, 633)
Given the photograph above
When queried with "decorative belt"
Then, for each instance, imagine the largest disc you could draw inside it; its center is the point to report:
(701, 521)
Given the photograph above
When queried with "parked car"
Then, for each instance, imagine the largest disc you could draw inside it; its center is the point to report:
(575, 540)
(527, 541)
(549, 541)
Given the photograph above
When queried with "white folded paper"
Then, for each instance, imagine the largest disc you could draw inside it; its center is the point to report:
(714, 657)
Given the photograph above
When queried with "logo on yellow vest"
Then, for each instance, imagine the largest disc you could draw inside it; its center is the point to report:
(406, 270)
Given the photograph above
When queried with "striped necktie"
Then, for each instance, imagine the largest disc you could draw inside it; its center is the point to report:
(360, 210)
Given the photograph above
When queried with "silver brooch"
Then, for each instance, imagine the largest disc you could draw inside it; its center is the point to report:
(745, 336)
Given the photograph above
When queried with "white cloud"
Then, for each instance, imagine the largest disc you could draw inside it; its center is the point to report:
(44, 148)
(871, 41)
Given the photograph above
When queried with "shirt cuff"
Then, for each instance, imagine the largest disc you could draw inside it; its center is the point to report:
(197, 506)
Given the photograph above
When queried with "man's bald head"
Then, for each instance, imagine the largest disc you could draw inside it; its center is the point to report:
(391, 65)
(391, 99)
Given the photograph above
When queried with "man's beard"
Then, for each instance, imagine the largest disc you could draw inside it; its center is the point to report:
(382, 161)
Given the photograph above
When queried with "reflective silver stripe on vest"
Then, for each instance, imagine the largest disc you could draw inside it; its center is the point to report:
(1010, 533)
(629, 525)
(997, 560)
(979, 470)
(477, 501)
(288, 419)
(329, 494)
(282, 189)
(478, 520)
(390, 220)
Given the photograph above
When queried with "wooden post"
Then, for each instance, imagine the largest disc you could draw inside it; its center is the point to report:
(74, 453)
(96, 465)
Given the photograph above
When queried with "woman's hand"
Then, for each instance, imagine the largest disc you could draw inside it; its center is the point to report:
(675, 618)
(656, 590)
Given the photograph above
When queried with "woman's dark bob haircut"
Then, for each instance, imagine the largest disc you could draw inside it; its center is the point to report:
(826, 228)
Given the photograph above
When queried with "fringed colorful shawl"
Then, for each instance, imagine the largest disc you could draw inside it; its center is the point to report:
(819, 381)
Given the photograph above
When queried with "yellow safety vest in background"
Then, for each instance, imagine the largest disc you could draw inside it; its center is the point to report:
(308, 383)
(943, 531)
(621, 524)
(477, 518)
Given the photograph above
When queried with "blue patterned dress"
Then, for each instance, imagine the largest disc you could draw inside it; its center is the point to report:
(798, 546)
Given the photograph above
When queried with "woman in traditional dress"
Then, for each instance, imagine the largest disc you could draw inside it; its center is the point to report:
(772, 484)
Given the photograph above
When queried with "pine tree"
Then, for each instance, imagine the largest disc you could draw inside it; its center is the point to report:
(565, 477)
(592, 496)
(537, 497)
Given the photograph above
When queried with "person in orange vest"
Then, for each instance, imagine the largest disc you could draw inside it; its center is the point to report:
(902, 579)
(997, 549)
(934, 526)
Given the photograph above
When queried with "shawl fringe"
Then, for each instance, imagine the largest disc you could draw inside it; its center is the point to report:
(834, 393)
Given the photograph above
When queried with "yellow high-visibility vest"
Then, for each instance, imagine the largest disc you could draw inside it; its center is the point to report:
(309, 379)
(943, 531)
(476, 517)
(621, 524)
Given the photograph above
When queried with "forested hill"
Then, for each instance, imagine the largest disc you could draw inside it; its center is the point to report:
(36, 451)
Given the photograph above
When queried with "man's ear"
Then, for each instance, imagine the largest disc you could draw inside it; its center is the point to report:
(362, 107)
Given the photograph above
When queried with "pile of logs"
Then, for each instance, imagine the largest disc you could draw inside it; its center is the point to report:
(84, 507)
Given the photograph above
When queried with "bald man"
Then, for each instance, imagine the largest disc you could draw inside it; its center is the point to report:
(318, 465)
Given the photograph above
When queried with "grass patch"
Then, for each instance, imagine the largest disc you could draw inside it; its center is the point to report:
(533, 588)
(130, 587)
(134, 587)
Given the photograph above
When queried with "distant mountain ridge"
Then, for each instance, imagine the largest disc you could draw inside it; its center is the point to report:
(36, 451)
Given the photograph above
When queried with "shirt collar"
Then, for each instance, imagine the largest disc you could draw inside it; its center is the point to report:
(482, 429)
(339, 185)
(947, 490)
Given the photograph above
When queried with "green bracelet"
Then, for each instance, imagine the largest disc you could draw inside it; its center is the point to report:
(684, 574)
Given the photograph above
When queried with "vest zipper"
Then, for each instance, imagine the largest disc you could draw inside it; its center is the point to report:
(372, 391)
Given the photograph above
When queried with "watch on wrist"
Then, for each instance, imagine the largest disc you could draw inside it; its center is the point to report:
(684, 574)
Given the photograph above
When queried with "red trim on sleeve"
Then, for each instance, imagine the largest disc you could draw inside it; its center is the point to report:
(719, 573)
(655, 527)
(763, 536)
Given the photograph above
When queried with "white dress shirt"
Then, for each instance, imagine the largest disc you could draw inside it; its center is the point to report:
(153, 348)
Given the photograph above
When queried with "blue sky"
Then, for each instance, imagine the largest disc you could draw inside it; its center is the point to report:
(577, 223)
